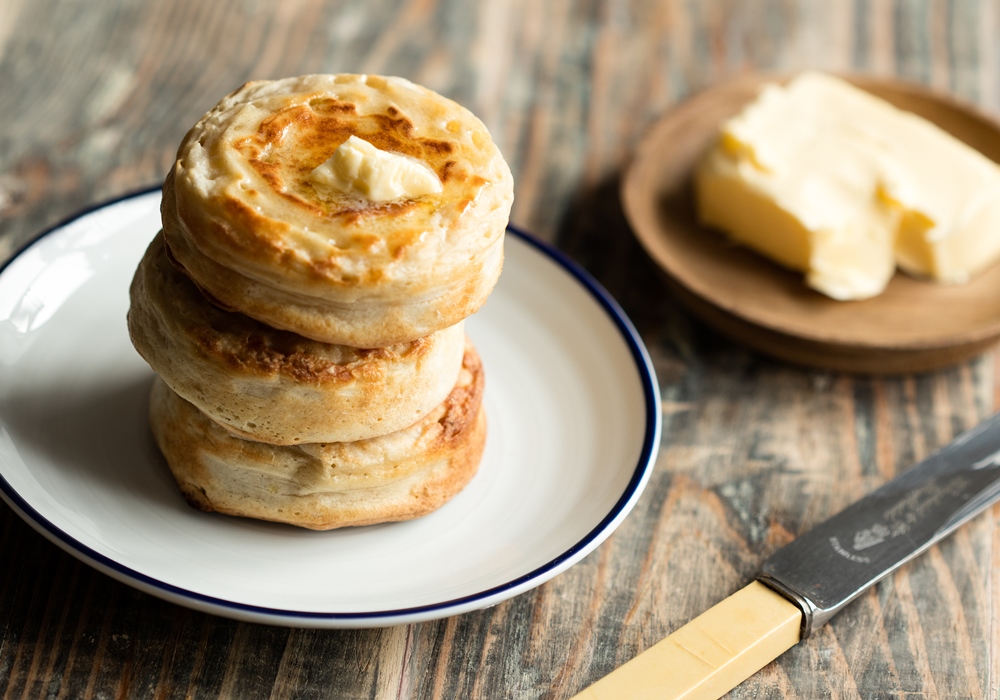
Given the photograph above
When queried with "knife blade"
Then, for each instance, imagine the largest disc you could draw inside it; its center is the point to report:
(808, 581)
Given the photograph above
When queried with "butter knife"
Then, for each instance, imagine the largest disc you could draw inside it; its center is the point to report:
(802, 585)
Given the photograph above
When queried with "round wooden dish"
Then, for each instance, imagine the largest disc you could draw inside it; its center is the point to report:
(913, 326)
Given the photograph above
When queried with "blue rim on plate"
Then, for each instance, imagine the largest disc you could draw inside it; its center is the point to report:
(639, 477)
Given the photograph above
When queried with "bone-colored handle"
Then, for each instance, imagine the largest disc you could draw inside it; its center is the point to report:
(710, 655)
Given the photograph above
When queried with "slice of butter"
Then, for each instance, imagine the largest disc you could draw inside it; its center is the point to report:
(827, 179)
(360, 169)
(950, 226)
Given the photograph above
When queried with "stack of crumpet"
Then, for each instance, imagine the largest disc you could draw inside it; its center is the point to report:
(324, 238)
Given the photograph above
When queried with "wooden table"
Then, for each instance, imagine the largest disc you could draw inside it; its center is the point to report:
(94, 98)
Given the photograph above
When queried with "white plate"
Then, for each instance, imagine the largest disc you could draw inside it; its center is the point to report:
(574, 426)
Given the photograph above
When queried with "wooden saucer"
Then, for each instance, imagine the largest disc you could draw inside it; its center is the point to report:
(913, 326)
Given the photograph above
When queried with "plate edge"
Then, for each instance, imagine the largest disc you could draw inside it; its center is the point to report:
(537, 576)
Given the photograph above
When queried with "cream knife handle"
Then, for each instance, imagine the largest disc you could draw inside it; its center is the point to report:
(711, 655)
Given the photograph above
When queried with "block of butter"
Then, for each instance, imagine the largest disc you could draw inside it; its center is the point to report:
(827, 179)
(360, 169)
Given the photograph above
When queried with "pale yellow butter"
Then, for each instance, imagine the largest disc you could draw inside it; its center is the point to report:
(827, 179)
(360, 169)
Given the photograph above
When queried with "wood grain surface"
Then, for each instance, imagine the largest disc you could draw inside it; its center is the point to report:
(94, 98)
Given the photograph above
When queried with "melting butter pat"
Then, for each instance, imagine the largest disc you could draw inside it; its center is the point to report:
(360, 169)
(827, 179)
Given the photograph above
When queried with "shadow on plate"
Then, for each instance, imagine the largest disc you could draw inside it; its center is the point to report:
(100, 432)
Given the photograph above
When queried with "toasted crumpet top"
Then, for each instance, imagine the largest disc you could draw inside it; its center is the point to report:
(241, 191)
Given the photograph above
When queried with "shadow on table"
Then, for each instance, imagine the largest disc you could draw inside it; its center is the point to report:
(596, 233)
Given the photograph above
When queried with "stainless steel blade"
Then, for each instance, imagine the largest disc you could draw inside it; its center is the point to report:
(835, 562)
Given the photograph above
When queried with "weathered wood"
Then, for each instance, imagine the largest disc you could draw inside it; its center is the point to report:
(94, 98)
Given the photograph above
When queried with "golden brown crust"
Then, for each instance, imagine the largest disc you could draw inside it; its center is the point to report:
(275, 386)
(323, 486)
(362, 324)
(241, 214)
